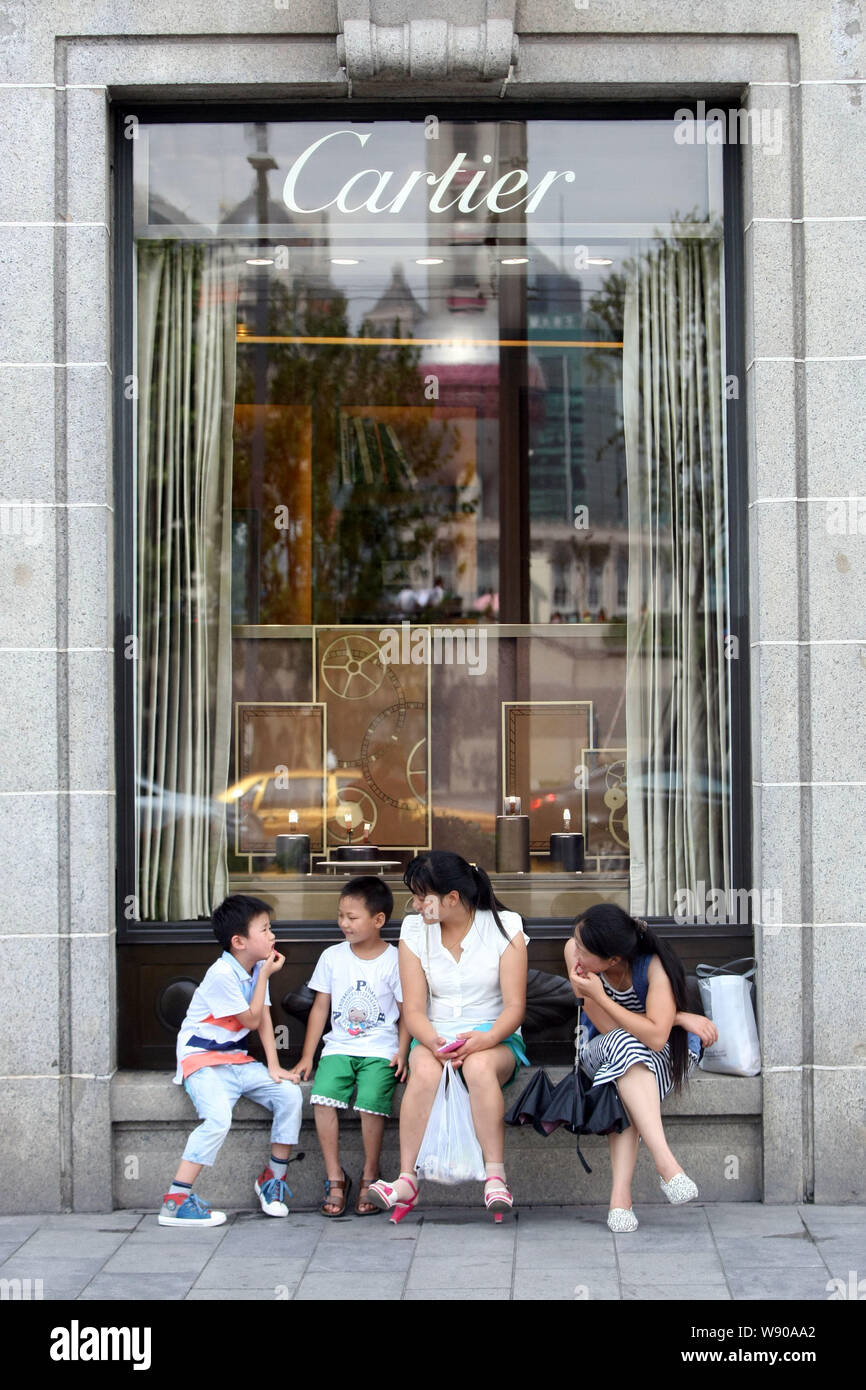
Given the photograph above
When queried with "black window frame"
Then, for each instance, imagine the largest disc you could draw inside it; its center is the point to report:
(514, 509)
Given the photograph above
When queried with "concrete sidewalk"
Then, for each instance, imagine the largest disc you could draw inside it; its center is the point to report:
(736, 1251)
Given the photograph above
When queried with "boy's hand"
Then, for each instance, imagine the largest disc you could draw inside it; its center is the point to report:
(280, 1074)
(273, 963)
(302, 1071)
(402, 1066)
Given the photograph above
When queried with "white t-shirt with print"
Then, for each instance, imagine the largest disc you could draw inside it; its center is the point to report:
(364, 998)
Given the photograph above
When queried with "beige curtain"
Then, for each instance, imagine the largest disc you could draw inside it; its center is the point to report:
(677, 702)
(186, 375)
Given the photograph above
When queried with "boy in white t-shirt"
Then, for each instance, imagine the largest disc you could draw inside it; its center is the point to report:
(357, 986)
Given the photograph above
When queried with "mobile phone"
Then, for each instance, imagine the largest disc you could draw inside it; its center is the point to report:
(450, 1047)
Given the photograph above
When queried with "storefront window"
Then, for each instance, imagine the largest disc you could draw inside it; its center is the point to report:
(430, 505)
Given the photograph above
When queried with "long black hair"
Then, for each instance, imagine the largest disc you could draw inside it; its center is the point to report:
(439, 871)
(606, 930)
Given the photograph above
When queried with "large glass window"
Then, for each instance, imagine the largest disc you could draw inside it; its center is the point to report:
(430, 480)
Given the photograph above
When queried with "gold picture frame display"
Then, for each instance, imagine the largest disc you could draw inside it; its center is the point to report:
(280, 766)
(606, 792)
(542, 742)
(379, 730)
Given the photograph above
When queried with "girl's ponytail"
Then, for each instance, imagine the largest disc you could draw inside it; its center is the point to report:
(486, 898)
(441, 871)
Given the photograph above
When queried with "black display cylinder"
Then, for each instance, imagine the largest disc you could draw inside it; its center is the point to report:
(293, 854)
(361, 851)
(566, 849)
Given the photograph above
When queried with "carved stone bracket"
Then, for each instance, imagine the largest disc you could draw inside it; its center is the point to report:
(427, 49)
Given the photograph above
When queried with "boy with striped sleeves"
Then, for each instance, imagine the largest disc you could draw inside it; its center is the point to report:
(215, 1068)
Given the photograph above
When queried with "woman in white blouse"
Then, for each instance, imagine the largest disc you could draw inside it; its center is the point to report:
(463, 973)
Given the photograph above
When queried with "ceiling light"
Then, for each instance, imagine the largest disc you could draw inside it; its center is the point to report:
(515, 260)
(598, 260)
(344, 260)
(260, 260)
(430, 260)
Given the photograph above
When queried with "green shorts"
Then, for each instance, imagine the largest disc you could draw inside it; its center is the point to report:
(336, 1078)
(514, 1043)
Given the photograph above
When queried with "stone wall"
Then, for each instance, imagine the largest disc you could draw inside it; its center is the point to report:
(804, 232)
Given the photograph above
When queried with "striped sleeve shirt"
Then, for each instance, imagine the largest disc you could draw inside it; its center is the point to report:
(210, 1035)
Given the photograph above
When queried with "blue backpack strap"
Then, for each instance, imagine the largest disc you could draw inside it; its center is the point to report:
(640, 976)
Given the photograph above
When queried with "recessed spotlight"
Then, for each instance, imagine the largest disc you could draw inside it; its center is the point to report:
(514, 260)
(430, 260)
(260, 260)
(345, 260)
(598, 260)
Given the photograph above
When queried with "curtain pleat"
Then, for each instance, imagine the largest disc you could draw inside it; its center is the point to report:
(186, 367)
(677, 716)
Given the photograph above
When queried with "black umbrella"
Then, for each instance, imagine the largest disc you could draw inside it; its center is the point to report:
(531, 1105)
(584, 1109)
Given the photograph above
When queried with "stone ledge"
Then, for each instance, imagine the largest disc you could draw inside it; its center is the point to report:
(150, 1096)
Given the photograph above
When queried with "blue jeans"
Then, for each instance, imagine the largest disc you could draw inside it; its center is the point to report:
(214, 1090)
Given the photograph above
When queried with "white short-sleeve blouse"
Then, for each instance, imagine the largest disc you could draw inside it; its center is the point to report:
(467, 992)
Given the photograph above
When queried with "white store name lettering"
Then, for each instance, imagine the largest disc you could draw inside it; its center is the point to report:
(364, 190)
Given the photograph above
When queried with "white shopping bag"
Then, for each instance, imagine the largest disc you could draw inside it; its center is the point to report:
(727, 999)
(450, 1151)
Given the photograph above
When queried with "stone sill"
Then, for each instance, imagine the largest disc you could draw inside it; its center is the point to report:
(151, 1097)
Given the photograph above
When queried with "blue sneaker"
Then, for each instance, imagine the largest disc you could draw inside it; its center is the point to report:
(272, 1193)
(190, 1210)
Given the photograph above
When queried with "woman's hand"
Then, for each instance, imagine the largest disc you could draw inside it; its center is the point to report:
(587, 986)
(472, 1042)
(696, 1023)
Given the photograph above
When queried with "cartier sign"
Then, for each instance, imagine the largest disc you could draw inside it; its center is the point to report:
(368, 190)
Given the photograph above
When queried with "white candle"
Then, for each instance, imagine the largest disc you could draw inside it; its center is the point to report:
(347, 820)
(512, 806)
(566, 818)
(293, 818)
(367, 828)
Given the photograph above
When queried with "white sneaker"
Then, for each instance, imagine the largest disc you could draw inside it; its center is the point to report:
(679, 1189)
(621, 1219)
(188, 1211)
(270, 1192)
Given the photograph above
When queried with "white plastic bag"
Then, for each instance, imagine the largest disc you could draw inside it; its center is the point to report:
(450, 1151)
(727, 1000)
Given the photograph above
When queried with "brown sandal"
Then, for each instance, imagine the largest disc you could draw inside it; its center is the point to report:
(342, 1189)
(365, 1201)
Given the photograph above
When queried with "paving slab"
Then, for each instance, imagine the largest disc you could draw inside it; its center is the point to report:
(656, 1267)
(675, 1293)
(769, 1252)
(455, 1295)
(223, 1272)
(562, 1286)
(440, 1271)
(784, 1284)
(350, 1287)
(138, 1288)
(199, 1295)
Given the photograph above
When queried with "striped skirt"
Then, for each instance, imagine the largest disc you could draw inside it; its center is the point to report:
(608, 1055)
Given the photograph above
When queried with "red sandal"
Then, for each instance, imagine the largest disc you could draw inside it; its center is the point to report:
(384, 1195)
(499, 1200)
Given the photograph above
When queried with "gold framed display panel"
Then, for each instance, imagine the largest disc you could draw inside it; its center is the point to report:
(606, 791)
(545, 776)
(280, 765)
(379, 723)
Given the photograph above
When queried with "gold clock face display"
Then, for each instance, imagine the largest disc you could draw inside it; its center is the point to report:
(378, 712)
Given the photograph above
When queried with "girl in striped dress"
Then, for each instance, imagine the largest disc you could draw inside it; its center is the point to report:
(633, 989)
